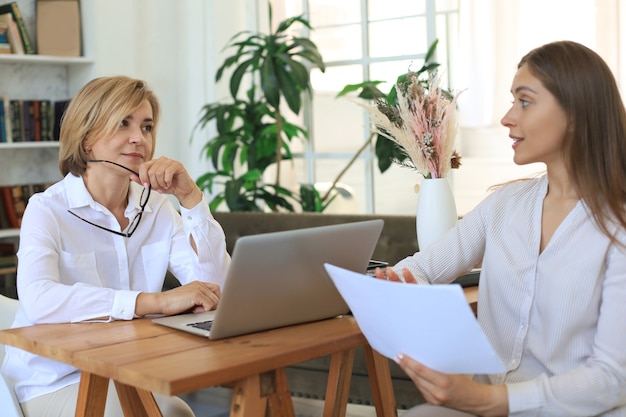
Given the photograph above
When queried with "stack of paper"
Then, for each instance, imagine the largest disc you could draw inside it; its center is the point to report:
(431, 323)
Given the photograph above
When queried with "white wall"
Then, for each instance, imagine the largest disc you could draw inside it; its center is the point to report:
(176, 47)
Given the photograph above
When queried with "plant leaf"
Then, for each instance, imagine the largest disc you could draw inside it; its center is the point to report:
(269, 82)
(286, 24)
(298, 71)
(431, 51)
(235, 79)
(290, 90)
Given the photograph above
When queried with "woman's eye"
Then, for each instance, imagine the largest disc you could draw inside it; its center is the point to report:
(123, 123)
(524, 102)
(147, 128)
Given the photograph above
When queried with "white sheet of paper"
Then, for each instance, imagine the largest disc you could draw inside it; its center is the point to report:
(431, 323)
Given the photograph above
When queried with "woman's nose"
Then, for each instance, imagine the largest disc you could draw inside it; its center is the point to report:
(507, 120)
(136, 135)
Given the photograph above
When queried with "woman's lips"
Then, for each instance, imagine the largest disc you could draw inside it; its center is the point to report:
(516, 142)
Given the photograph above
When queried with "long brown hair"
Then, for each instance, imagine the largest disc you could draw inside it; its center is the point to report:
(95, 112)
(595, 143)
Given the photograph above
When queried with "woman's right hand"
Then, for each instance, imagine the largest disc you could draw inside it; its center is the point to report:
(388, 274)
(196, 297)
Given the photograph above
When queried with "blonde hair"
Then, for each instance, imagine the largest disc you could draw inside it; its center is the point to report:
(95, 112)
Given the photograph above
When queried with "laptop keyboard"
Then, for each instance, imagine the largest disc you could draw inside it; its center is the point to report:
(204, 325)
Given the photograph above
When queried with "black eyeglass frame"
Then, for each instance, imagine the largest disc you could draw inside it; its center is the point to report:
(135, 221)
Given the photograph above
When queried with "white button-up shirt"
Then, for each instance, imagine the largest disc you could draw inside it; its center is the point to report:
(71, 271)
(557, 318)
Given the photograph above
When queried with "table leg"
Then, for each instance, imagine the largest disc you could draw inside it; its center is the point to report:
(92, 395)
(380, 381)
(276, 388)
(338, 388)
(267, 394)
(137, 402)
(247, 399)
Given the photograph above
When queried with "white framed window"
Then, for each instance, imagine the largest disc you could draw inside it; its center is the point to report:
(364, 40)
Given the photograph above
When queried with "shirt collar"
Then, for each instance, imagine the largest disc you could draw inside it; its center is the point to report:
(78, 195)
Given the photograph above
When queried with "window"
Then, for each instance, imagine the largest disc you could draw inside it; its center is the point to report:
(364, 40)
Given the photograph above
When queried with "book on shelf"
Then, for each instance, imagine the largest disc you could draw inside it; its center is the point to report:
(14, 200)
(12, 33)
(31, 120)
(28, 120)
(7, 248)
(4, 219)
(3, 33)
(7, 254)
(11, 206)
(8, 261)
(6, 133)
(8, 258)
(13, 8)
(17, 120)
(58, 27)
(5, 47)
(57, 114)
(46, 119)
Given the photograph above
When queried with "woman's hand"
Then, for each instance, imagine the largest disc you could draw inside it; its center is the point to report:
(169, 176)
(456, 391)
(195, 297)
(389, 274)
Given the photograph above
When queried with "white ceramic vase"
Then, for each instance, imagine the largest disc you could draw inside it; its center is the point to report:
(436, 211)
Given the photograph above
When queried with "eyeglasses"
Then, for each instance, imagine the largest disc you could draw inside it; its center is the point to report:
(143, 201)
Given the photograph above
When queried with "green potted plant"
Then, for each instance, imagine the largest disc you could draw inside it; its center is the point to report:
(252, 131)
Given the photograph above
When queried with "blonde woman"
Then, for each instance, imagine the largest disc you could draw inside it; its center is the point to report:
(96, 246)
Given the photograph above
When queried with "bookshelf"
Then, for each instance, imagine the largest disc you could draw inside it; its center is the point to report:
(45, 59)
(40, 77)
(36, 77)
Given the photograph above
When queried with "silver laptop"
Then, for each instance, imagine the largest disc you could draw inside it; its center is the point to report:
(278, 279)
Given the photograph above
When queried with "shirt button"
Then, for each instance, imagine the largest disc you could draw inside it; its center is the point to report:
(189, 218)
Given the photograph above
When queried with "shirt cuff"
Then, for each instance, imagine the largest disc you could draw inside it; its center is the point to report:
(523, 396)
(124, 304)
(196, 215)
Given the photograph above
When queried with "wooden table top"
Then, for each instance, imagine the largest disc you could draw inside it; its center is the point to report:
(170, 362)
(167, 361)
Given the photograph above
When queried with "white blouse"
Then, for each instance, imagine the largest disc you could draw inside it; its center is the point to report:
(71, 271)
(557, 318)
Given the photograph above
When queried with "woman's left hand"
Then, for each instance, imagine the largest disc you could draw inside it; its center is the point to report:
(170, 177)
(456, 391)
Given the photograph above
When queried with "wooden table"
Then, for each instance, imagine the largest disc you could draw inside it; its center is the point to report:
(471, 295)
(142, 357)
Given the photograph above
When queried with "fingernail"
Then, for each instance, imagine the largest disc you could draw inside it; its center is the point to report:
(398, 358)
(146, 185)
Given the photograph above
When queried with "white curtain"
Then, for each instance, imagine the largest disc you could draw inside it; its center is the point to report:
(495, 34)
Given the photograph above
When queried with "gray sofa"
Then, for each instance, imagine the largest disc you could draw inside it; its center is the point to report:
(397, 240)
